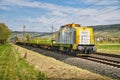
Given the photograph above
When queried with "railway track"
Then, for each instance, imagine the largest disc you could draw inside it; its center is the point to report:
(91, 65)
(101, 58)
(108, 59)
(110, 55)
(111, 61)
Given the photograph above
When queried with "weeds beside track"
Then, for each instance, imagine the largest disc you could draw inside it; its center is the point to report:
(13, 67)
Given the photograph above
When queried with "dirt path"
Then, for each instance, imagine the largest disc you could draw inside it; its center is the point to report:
(57, 70)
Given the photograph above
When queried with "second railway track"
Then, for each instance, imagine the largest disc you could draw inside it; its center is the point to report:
(111, 61)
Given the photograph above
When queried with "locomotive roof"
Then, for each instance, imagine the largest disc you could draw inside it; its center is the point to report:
(71, 25)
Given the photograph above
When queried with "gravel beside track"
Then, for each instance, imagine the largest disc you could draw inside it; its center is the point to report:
(95, 67)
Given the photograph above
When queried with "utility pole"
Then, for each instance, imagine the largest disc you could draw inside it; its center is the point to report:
(52, 32)
(24, 32)
(52, 28)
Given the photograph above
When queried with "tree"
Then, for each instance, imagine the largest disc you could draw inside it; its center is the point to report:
(28, 37)
(4, 33)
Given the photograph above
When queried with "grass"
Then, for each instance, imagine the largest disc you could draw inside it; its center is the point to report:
(109, 48)
(13, 67)
(108, 51)
(57, 70)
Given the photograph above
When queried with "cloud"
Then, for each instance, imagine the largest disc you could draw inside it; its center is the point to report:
(101, 2)
(82, 16)
(20, 3)
(108, 2)
(56, 15)
(4, 8)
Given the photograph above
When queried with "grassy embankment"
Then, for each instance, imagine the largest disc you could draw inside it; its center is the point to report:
(13, 67)
(57, 70)
(109, 48)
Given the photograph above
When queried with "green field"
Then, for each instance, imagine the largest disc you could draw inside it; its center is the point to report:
(109, 48)
(13, 67)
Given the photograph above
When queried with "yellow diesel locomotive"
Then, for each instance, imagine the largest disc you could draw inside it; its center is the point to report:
(74, 39)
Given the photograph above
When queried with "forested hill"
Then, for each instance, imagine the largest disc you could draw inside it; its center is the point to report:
(32, 34)
(108, 33)
(106, 27)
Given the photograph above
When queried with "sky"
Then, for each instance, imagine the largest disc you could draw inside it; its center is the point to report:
(42, 15)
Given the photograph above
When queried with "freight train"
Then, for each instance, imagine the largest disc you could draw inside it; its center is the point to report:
(71, 38)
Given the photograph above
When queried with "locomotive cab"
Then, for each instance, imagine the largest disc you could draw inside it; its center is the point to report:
(84, 40)
(75, 39)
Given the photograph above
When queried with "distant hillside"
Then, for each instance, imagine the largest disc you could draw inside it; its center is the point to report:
(32, 34)
(20, 33)
(100, 31)
(107, 31)
(106, 27)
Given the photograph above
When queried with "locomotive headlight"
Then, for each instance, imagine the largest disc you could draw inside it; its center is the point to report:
(54, 42)
(80, 47)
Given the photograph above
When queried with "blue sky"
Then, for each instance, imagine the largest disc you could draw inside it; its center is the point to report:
(41, 15)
